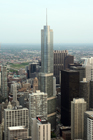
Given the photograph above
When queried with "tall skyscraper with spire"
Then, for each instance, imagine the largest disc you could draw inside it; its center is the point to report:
(47, 49)
(46, 75)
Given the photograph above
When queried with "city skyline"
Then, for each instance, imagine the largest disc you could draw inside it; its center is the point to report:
(21, 21)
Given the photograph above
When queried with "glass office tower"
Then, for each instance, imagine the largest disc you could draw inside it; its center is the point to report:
(46, 75)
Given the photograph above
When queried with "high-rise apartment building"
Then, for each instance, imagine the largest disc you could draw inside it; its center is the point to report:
(69, 90)
(37, 106)
(15, 117)
(4, 82)
(41, 129)
(46, 75)
(88, 125)
(78, 107)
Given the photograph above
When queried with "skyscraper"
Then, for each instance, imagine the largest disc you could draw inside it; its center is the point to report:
(14, 88)
(61, 61)
(69, 90)
(78, 107)
(59, 57)
(4, 82)
(69, 59)
(80, 69)
(37, 106)
(91, 94)
(46, 75)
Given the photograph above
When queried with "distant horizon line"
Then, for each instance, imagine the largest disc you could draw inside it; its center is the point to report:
(40, 43)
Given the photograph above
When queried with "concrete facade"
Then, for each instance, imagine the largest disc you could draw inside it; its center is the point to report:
(41, 129)
(37, 106)
(78, 107)
(14, 117)
(88, 125)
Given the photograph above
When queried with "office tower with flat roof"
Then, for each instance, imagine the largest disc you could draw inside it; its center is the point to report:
(41, 128)
(46, 75)
(88, 125)
(59, 57)
(61, 62)
(32, 70)
(80, 69)
(69, 90)
(69, 59)
(4, 82)
(37, 106)
(78, 107)
(16, 116)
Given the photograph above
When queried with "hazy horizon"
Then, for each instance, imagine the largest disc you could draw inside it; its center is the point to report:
(22, 21)
(58, 46)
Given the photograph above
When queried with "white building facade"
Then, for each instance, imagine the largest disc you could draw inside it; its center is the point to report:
(37, 106)
(15, 117)
(41, 129)
(78, 107)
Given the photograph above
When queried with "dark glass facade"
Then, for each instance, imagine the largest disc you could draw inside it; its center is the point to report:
(69, 90)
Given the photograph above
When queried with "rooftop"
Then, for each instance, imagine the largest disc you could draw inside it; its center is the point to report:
(41, 119)
(17, 128)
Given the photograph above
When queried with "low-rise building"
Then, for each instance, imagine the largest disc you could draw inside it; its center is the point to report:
(20, 132)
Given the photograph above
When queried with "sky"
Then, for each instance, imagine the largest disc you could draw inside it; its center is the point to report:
(21, 21)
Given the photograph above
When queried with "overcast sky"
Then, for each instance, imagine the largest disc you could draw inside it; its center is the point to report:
(21, 21)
